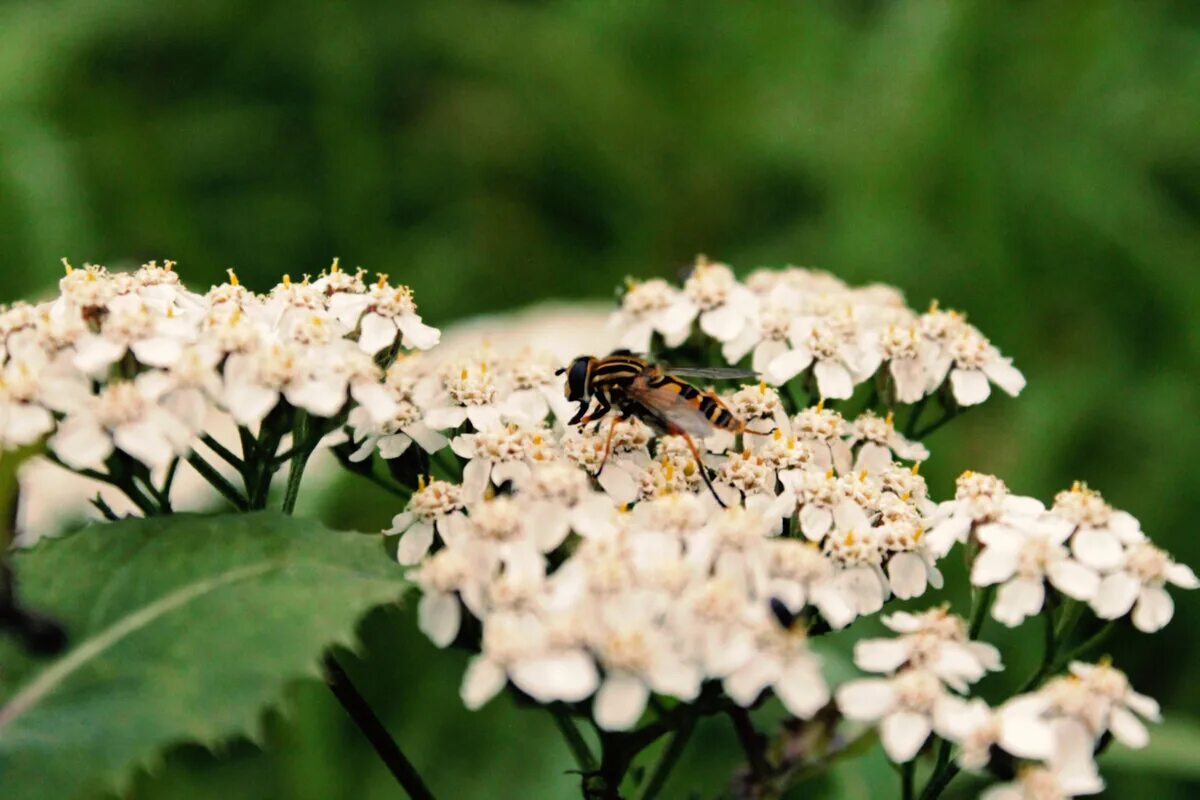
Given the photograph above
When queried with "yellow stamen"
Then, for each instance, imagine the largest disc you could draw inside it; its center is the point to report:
(233, 278)
(762, 387)
(916, 468)
(382, 279)
(335, 266)
(420, 482)
(829, 473)
(821, 404)
(287, 280)
(890, 419)
(778, 434)
(67, 265)
(933, 306)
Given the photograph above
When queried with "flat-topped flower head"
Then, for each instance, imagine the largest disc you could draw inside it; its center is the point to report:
(877, 440)
(497, 456)
(834, 357)
(933, 640)
(973, 365)
(467, 391)
(89, 288)
(824, 428)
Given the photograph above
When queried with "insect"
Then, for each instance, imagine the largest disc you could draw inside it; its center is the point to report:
(654, 394)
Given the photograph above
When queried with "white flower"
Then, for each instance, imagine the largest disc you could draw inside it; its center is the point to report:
(900, 347)
(435, 507)
(973, 364)
(724, 305)
(392, 437)
(765, 336)
(650, 307)
(797, 574)
(467, 392)
(1101, 531)
(517, 647)
(835, 360)
(381, 314)
(823, 428)
(904, 705)
(877, 439)
(628, 456)
(1100, 697)
(1139, 584)
(638, 657)
(495, 456)
(933, 640)
(783, 662)
(126, 415)
(1042, 783)
(854, 545)
(1021, 560)
(978, 499)
(1018, 727)
(23, 420)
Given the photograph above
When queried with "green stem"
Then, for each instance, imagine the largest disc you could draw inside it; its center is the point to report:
(669, 758)
(752, 742)
(908, 774)
(295, 476)
(217, 480)
(981, 604)
(1084, 648)
(570, 731)
(928, 429)
(223, 452)
(373, 729)
(910, 427)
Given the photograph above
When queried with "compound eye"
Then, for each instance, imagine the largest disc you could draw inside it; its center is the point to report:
(576, 388)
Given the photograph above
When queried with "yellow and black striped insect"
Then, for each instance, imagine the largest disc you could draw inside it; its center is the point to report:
(654, 394)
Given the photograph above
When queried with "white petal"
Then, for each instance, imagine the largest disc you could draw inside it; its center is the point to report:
(881, 655)
(145, 442)
(1026, 736)
(1005, 375)
(429, 440)
(1018, 599)
(1182, 576)
(723, 323)
(389, 447)
(443, 418)
(1154, 609)
(81, 443)
(620, 702)
(1128, 729)
(377, 333)
(619, 484)
(416, 333)
(569, 677)
(765, 352)
(415, 543)
(907, 575)
(1098, 549)
(908, 377)
(788, 365)
(515, 471)
(1073, 579)
(833, 380)
(866, 699)
(476, 476)
(745, 684)
(438, 617)
(815, 521)
(802, 689)
(903, 733)
(484, 418)
(483, 679)
(993, 565)
(970, 386)
(1116, 595)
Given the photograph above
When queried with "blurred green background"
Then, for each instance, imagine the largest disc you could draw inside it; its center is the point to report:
(1037, 164)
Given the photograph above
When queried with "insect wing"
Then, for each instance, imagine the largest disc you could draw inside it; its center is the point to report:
(715, 373)
(667, 404)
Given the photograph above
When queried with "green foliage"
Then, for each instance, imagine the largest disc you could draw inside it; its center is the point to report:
(1033, 163)
(182, 629)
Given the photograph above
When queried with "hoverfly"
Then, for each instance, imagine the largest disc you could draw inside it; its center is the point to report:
(654, 394)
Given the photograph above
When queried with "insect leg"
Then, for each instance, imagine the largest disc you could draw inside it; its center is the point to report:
(603, 404)
(699, 464)
(612, 429)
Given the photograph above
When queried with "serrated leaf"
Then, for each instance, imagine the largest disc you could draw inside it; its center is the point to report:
(182, 628)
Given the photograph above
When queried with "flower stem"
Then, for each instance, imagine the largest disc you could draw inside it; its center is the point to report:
(370, 725)
(570, 731)
(224, 453)
(981, 603)
(908, 773)
(669, 758)
(217, 480)
(752, 742)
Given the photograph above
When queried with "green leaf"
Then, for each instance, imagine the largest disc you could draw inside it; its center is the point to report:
(182, 628)
(1171, 752)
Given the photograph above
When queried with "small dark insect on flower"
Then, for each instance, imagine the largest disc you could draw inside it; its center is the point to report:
(654, 394)
(782, 614)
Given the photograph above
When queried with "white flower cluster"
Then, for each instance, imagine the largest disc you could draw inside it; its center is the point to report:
(1081, 547)
(135, 362)
(1053, 731)
(795, 321)
(641, 581)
